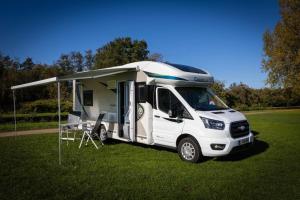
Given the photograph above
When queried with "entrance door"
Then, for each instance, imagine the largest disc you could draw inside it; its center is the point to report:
(166, 129)
(126, 110)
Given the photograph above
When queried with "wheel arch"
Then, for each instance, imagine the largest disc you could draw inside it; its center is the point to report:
(185, 135)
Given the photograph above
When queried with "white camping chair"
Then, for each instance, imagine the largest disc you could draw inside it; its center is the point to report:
(71, 127)
(89, 132)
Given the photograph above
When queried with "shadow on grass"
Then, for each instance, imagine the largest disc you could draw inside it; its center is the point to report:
(256, 148)
(159, 148)
(255, 133)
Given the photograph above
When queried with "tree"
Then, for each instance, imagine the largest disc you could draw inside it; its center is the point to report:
(89, 59)
(240, 95)
(64, 63)
(219, 88)
(27, 64)
(156, 57)
(8, 76)
(121, 51)
(76, 61)
(282, 48)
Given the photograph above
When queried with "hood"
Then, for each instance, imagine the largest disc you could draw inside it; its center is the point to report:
(227, 116)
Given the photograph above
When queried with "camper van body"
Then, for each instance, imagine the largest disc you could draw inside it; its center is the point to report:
(135, 107)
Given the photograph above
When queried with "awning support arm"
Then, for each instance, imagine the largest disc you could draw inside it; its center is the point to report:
(15, 118)
(59, 123)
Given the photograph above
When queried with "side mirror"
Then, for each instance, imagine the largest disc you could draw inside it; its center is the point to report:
(172, 113)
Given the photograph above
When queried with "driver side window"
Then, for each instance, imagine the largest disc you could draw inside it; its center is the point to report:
(168, 101)
(163, 99)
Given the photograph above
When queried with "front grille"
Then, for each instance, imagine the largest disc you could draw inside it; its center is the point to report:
(239, 129)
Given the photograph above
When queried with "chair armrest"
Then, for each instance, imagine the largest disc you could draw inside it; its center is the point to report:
(87, 127)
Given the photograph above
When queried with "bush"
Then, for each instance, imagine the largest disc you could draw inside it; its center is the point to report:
(242, 107)
(33, 117)
(45, 106)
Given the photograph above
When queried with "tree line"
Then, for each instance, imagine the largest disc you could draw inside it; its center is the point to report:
(243, 97)
(13, 72)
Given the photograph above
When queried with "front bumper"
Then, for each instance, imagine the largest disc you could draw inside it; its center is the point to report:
(232, 145)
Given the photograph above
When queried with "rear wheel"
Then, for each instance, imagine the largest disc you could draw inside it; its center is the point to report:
(189, 150)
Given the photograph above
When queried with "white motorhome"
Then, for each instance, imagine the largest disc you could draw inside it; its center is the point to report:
(157, 103)
(163, 104)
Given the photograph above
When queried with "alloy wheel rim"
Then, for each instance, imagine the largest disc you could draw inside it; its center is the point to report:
(188, 151)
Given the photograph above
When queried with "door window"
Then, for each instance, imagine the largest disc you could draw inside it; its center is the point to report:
(88, 98)
(163, 99)
(168, 101)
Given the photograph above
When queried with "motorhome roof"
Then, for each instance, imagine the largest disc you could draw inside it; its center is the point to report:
(174, 74)
(157, 72)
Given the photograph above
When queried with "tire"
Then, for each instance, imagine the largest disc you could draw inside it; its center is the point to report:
(102, 133)
(189, 150)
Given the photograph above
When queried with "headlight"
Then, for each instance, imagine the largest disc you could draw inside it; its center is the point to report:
(213, 124)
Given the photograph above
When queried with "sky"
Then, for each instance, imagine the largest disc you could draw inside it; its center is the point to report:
(223, 37)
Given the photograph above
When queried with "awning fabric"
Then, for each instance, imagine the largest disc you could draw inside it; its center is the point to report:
(79, 75)
(35, 83)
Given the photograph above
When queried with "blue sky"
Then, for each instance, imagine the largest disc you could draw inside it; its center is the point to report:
(223, 37)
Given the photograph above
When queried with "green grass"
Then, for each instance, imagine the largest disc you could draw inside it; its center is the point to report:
(29, 168)
(31, 117)
(21, 126)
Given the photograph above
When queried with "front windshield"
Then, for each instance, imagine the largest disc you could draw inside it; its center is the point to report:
(201, 98)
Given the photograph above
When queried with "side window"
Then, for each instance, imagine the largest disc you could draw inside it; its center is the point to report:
(88, 98)
(163, 99)
(168, 101)
(141, 92)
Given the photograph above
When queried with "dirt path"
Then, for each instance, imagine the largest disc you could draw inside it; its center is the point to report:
(29, 132)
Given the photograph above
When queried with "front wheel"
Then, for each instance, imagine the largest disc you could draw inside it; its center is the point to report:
(189, 150)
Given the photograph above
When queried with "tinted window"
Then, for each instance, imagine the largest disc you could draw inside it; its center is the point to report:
(163, 100)
(201, 99)
(168, 101)
(141, 92)
(186, 68)
(88, 98)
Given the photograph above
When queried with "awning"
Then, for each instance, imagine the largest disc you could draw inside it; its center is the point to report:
(80, 75)
(97, 73)
(35, 83)
(76, 76)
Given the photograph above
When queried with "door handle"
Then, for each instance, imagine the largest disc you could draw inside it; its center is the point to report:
(156, 116)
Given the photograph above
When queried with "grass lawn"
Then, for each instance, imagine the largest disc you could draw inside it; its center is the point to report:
(29, 168)
(21, 126)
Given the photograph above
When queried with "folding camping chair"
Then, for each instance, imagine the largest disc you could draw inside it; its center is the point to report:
(71, 127)
(89, 132)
